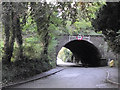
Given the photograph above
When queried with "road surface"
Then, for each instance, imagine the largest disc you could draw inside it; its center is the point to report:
(74, 77)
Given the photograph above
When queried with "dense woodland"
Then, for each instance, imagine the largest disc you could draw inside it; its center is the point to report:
(30, 30)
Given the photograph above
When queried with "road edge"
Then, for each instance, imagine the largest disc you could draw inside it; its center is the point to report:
(36, 77)
(111, 81)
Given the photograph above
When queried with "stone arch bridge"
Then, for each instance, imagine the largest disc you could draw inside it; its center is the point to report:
(90, 49)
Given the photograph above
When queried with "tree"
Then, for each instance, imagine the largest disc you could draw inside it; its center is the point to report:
(108, 21)
(12, 29)
(50, 19)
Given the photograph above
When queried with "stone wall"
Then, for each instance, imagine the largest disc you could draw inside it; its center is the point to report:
(97, 40)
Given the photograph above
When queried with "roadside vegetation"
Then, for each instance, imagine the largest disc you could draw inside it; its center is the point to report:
(65, 54)
(30, 29)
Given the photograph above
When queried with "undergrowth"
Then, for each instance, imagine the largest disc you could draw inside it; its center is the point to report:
(20, 70)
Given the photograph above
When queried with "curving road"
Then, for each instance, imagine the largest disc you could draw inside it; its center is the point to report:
(74, 77)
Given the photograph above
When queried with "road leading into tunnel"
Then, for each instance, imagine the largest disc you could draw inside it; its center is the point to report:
(74, 77)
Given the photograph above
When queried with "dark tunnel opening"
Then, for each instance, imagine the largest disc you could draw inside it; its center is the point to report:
(85, 51)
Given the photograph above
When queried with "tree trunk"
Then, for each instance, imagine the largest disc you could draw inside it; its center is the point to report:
(19, 38)
(12, 30)
(12, 36)
(7, 35)
(46, 43)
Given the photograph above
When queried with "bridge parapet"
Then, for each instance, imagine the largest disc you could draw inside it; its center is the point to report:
(79, 37)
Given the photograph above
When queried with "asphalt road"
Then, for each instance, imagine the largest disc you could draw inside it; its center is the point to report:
(74, 77)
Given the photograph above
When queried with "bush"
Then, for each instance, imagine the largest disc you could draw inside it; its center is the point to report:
(20, 70)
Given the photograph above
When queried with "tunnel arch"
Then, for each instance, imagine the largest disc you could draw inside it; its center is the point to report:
(85, 51)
